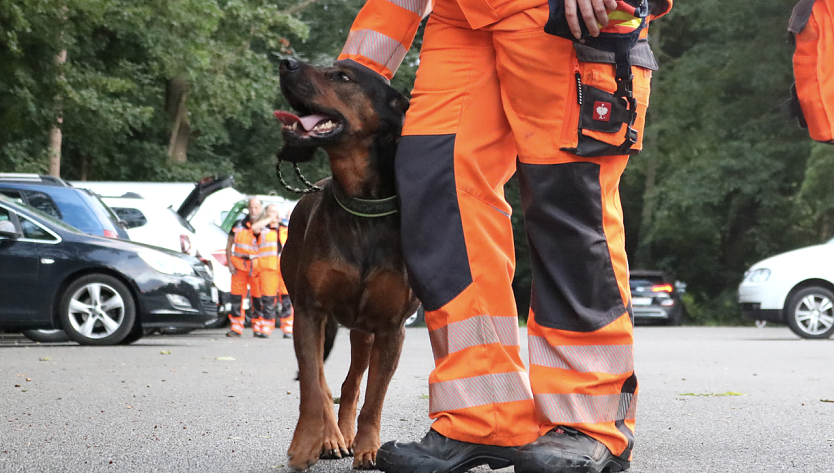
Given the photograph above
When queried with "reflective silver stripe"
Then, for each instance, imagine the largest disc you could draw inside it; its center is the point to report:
(244, 255)
(586, 409)
(480, 330)
(420, 7)
(479, 391)
(610, 359)
(246, 247)
(376, 47)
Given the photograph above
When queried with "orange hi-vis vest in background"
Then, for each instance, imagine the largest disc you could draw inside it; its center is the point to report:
(268, 249)
(812, 28)
(245, 249)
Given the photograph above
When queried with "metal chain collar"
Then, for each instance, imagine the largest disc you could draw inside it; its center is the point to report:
(310, 186)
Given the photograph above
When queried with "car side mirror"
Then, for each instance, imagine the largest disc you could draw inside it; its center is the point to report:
(10, 235)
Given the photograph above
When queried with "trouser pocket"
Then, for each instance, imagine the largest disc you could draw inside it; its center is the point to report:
(611, 115)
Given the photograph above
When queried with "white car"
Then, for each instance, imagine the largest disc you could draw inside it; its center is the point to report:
(794, 288)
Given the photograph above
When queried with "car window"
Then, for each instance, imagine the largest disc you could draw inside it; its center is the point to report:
(42, 202)
(134, 217)
(107, 219)
(32, 231)
(13, 194)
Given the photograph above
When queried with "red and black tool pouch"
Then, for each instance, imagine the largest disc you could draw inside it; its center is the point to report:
(600, 110)
(811, 29)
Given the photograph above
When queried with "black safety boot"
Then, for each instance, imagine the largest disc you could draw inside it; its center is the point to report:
(439, 454)
(565, 450)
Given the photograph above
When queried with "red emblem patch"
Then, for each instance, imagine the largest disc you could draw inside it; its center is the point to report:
(602, 111)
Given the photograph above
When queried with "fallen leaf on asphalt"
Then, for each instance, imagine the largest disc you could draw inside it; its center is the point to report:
(235, 438)
(165, 352)
(289, 392)
(728, 393)
(821, 400)
(17, 385)
(28, 379)
(225, 358)
(46, 358)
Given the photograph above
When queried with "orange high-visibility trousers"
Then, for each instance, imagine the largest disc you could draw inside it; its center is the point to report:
(487, 103)
(269, 282)
(244, 282)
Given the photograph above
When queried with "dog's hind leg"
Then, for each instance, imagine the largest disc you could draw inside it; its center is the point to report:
(333, 444)
(360, 356)
(385, 354)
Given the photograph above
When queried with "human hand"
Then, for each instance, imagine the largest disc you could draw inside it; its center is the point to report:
(594, 13)
(232, 269)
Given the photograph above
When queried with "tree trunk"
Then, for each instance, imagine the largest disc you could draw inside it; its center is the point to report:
(176, 107)
(55, 136)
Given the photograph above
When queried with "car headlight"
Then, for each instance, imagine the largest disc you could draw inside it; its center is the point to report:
(167, 264)
(759, 275)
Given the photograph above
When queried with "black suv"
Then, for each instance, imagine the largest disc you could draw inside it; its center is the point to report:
(54, 196)
(655, 297)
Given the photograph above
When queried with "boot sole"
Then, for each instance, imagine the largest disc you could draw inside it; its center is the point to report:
(402, 464)
(525, 463)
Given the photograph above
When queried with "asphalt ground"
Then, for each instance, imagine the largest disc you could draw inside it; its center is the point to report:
(711, 400)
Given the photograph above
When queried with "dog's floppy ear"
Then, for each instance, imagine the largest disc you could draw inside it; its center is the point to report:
(296, 154)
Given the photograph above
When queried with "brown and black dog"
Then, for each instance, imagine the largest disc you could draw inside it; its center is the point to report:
(340, 266)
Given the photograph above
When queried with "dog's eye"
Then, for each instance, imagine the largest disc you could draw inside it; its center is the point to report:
(339, 76)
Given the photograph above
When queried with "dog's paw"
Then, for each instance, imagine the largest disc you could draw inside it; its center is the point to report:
(365, 461)
(300, 464)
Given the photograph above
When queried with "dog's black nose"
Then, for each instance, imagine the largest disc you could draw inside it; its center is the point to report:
(288, 65)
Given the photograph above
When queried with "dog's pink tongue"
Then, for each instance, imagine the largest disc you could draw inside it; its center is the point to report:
(308, 123)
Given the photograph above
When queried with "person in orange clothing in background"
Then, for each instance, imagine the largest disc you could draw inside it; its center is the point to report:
(269, 275)
(242, 255)
(496, 94)
(285, 312)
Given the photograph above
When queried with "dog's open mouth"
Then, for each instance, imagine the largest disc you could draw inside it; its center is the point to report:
(308, 126)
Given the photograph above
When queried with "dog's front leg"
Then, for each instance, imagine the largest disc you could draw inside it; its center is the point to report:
(333, 444)
(308, 340)
(385, 355)
(360, 356)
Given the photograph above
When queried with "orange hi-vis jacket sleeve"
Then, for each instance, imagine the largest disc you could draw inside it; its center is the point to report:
(382, 33)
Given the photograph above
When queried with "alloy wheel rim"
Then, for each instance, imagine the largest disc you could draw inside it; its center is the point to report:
(815, 314)
(96, 310)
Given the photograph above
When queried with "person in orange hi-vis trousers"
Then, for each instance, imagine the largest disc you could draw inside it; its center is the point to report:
(285, 312)
(242, 255)
(269, 275)
(496, 95)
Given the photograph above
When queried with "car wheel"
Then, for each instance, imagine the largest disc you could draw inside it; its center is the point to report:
(135, 335)
(417, 319)
(675, 317)
(811, 313)
(97, 309)
(47, 336)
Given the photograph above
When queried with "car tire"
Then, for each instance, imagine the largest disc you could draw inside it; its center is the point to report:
(82, 315)
(417, 319)
(675, 318)
(135, 335)
(47, 336)
(810, 312)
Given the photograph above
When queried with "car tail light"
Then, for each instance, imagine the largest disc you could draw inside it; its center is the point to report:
(662, 288)
(110, 234)
(220, 256)
(185, 244)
